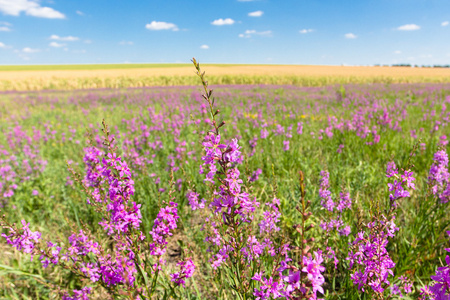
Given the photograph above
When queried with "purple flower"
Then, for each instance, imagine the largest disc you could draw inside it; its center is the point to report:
(165, 222)
(441, 286)
(255, 175)
(314, 269)
(345, 203)
(78, 294)
(270, 218)
(427, 294)
(327, 202)
(111, 174)
(438, 177)
(264, 133)
(299, 128)
(369, 258)
(23, 240)
(401, 182)
(234, 182)
(232, 153)
(193, 201)
(187, 269)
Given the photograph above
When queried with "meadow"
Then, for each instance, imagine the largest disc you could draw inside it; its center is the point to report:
(335, 189)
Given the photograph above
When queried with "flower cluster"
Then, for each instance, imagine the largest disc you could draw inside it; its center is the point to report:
(110, 178)
(369, 258)
(335, 209)
(194, 202)
(23, 239)
(297, 284)
(401, 182)
(440, 289)
(270, 218)
(255, 175)
(165, 222)
(325, 195)
(439, 176)
(19, 162)
(230, 199)
(404, 287)
(78, 294)
(187, 269)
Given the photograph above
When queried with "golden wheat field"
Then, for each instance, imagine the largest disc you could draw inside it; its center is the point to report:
(122, 76)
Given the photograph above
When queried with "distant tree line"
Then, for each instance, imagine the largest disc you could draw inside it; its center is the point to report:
(415, 66)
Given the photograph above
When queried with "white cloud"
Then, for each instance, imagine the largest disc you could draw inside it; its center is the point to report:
(45, 12)
(155, 25)
(87, 42)
(304, 31)
(68, 38)
(4, 28)
(30, 50)
(4, 46)
(408, 27)
(397, 52)
(350, 36)
(250, 33)
(56, 45)
(445, 23)
(30, 8)
(5, 24)
(220, 22)
(126, 43)
(206, 47)
(257, 13)
(80, 13)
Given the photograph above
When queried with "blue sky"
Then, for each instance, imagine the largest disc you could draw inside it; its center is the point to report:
(325, 32)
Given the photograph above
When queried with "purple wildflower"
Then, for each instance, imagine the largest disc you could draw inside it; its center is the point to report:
(193, 201)
(165, 222)
(369, 258)
(438, 177)
(78, 294)
(440, 290)
(270, 218)
(187, 269)
(327, 202)
(255, 175)
(23, 240)
(401, 182)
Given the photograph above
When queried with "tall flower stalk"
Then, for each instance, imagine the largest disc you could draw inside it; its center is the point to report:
(251, 262)
(305, 276)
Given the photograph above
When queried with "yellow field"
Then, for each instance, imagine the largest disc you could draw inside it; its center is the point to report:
(158, 75)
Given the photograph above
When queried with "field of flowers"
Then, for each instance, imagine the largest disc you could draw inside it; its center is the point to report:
(246, 192)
